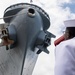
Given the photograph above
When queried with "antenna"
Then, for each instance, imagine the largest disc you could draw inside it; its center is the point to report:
(31, 1)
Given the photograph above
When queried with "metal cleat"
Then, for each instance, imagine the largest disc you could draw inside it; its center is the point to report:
(5, 34)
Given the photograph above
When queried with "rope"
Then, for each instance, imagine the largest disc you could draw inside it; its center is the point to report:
(11, 16)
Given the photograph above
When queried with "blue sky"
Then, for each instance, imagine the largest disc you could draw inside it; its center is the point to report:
(71, 6)
(59, 11)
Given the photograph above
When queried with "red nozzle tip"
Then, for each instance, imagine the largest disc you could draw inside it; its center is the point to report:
(60, 39)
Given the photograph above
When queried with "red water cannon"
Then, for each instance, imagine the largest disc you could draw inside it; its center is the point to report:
(60, 39)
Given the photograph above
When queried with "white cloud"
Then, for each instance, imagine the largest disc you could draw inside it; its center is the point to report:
(63, 1)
